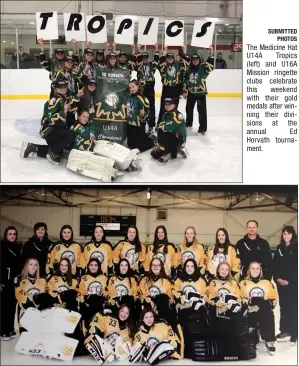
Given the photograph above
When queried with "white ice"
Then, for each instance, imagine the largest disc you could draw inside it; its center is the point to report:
(214, 157)
(285, 355)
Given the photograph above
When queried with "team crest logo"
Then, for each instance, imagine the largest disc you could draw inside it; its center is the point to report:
(193, 78)
(63, 288)
(97, 255)
(112, 99)
(187, 289)
(146, 71)
(171, 71)
(129, 110)
(69, 255)
(132, 256)
(112, 338)
(32, 291)
(152, 341)
(257, 292)
(218, 258)
(94, 288)
(121, 290)
(222, 292)
(154, 291)
(188, 255)
(160, 256)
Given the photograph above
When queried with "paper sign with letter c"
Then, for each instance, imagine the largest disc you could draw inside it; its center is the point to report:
(74, 26)
(148, 31)
(47, 25)
(96, 27)
(174, 32)
(124, 30)
(202, 34)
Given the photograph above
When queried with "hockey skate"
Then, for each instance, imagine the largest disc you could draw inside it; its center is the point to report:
(283, 337)
(164, 159)
(182, 153)
(53, 158)
(293, 341)
(28, 148)
(270, 347)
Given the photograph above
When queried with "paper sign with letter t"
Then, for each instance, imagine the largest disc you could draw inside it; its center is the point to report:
(203, 32)
(47, 25)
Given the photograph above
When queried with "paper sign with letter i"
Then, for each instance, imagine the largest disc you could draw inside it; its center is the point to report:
(47, 25)
(124, 30)
(148, 31)
(203, 32)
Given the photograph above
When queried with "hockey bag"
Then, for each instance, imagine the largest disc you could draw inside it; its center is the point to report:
(125, 159)
(90, 165)
(99, 348)
(159, 352)
(47, 345)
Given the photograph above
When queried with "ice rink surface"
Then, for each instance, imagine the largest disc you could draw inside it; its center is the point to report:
(285, 355)
(214, 157)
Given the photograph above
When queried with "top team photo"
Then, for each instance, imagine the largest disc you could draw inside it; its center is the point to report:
(121, 91)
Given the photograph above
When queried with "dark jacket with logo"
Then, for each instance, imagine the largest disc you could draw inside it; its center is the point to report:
(285, 263)
(11, 262)
(249, 250)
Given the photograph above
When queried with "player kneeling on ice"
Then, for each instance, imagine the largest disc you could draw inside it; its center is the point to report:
(228, 335)
(261, 297)
(171, 134)
(137, 115)
(110, 336)
(155, 340)
(53, 128)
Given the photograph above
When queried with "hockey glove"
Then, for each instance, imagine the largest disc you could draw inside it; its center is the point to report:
(257, 301)
(43, 301)
(233, 306)
(228, 297)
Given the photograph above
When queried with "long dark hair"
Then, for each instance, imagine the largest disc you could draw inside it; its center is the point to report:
(136, 241)
(140, 88)
(41, 224)
(289, 229)
(146, 309)
(129, 321)
(86, 97)
(150, 276)
(226, 243)
(99, 272)
(93, 238)
(66, 227)
(196, 274)
(129, 274)
(69, 275)
(10, 228)
(108, 64)
(156, 240)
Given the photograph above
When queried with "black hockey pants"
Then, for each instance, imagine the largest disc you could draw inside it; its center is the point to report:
(201, 109)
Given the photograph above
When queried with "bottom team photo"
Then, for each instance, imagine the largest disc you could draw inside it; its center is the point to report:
(149, 275)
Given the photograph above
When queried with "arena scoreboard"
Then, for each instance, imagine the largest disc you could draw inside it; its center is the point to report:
(113, 225)
(237, 47)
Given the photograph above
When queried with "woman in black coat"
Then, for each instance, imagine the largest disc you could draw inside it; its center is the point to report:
(38, 247)
(11, 266)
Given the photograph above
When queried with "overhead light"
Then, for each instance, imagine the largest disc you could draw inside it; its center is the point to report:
(12, 42)
(148, 194)
(213, 19)
(4, 41)
(32, 23)
(226, 24)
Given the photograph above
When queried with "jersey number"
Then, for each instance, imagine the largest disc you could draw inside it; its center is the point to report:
(112, 322)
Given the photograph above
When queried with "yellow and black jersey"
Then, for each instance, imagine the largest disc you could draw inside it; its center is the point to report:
(124, 249)
(118, 287)
(195, 251)
(101, 251)
(264, 289)
(149, 289)
(62, 250)
(218, 289)
(107, 327)
(25, 289)
(159, 332)
(182, 288)
(212, 261)
(58, 284)
(90, 285)
(170, 260)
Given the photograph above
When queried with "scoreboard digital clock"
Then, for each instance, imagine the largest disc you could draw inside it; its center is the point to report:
(113, 225)
(237, 47)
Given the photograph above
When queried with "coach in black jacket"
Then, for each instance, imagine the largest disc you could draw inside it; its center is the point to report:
(38, 247)
(253, 248)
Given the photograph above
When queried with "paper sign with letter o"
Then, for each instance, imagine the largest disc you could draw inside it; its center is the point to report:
(124, 30)
(96, 28)
(202, 34)
(174, 32)
(148, 31)
(74, 26)
(47, 25)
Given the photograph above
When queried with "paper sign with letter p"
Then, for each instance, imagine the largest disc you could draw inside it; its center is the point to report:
(174, 32)
(148, 31)
(203, 32)
(47, 25)
(96, 27)
(74, 26)
(124, 30)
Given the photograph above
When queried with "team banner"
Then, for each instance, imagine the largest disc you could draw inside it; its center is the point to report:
(124, 30)
(174, 33)
(47, 25)
(95, 29)
(110, 122)
(148, 31)
(202, 34)
(74, 26)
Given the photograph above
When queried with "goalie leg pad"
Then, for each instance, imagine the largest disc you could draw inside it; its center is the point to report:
(99, 349)
(137, 352)
(91, 165)
(123, 157)
(161, 351)
(122, 350)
